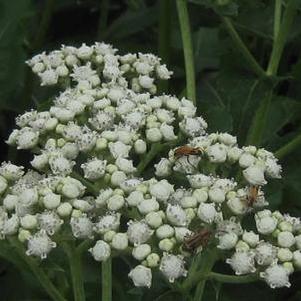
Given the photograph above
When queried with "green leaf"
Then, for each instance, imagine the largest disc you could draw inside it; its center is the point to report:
(283, 110)
(206, 48)
(223, 7)
(220, 120)
(12, 54)
(131, 22)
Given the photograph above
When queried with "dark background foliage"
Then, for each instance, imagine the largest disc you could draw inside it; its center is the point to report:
(228, 96)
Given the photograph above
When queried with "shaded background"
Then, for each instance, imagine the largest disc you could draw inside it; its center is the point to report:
(228, 96)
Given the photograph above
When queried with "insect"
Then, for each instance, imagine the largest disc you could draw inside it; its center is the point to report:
(199, 239)
(186, 150)
(253, 195)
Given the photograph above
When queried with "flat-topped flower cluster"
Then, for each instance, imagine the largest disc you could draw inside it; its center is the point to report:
(90, 151)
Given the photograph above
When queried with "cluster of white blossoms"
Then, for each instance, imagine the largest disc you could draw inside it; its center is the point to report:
(90, 151)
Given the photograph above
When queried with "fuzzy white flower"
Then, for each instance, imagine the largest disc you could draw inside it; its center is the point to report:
(119, 149)
(110, 221)
(82, 227)
(227, 241)
(265, 253)
(161, 190)
(276, 276)
(40, 245)
(172, 267)
(138, 232)
(10, 171)
(94, 168)
(242, 263)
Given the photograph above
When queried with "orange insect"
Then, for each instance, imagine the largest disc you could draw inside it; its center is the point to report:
(186, 150)
(253, 195)
(199, 239)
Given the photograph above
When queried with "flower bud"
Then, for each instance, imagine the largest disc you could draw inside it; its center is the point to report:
(254, 175)
(166, 244)
(51, 200)
(141, 276)
(120, 241)
(165, 231)
(284, 254)
(140, 146)
(227, 241)
(64, 209)
(207, 212)
(286, 239)
(250, 238)
(29, 222)
(154, 219)
(101, 251)
(141, 252)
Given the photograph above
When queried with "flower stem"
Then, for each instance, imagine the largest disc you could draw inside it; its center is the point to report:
(155, 149)
(280, 37)
(187, 48)
(256, 68)
(38, 272)
(199, 271)
(289, 147)
(233, 279)
(164, 36)
(106, 276)
(74, 258)
(277, 17)
(206, 266)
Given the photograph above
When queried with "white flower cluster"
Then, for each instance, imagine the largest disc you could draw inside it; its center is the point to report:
(88, 151)
(274, 252)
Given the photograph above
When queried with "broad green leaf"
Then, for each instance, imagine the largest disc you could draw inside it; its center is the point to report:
(131, 22)
(206, 48)
(12, 54)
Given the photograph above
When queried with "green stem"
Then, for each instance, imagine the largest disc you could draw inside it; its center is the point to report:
(164, 36)
(187, 48)
(208, 261)
(155, 149)
(198, 273)
(259, 121)
(106, 276)
(84, 246)
(281, 37)
(103, 18)
(277, 18)
(40, 275)
(256, 68)
(74, 258)
(233, 279)
(289, 147)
